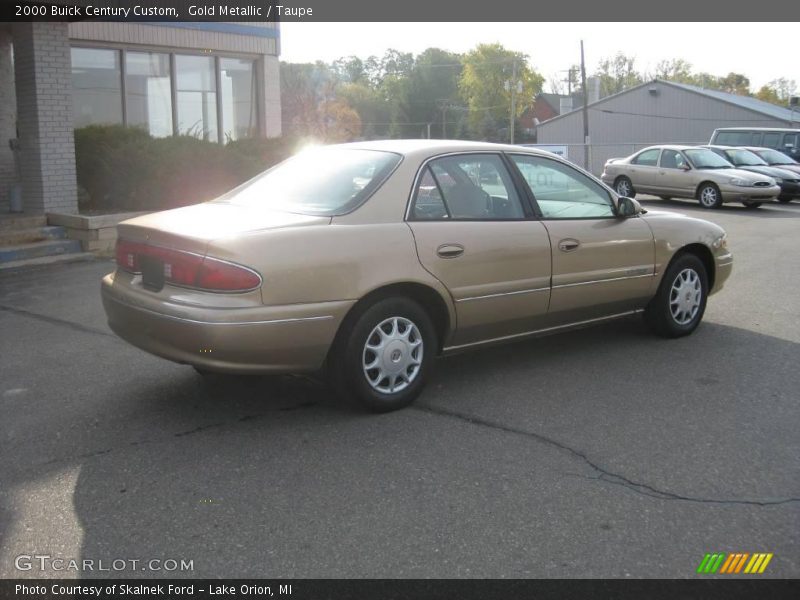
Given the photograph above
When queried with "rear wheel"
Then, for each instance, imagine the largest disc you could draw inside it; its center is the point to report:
(383, 357)
(751, 204)
(678, 306)
(624, 187)
(709, 196)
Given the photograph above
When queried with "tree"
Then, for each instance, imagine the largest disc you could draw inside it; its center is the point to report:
(617, 74)
(778, 91)
(434, 83)
(735, 83)
(675, 69)
(486, 71)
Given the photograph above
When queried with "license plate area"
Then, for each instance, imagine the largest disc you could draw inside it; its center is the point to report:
(152, 273)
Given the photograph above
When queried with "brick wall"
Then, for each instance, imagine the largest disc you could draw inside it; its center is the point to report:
(44, 109)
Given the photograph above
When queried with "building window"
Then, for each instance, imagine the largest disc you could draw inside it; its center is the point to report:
(196, 88)
(237, 90)
(209, 97)
(97, 86)
(148, 92)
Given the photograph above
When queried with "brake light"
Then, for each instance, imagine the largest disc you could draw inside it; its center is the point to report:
(187, 269)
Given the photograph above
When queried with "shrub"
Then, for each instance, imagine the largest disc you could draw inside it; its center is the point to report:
(123, 168)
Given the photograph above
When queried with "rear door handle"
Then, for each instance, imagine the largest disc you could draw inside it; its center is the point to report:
(568, 245)
(450, 250)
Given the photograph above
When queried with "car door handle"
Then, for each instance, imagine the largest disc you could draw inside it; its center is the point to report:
(450, 250)
(568, 245)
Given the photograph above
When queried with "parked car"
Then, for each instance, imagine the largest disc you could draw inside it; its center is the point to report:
(776, 159)
(688, 172)
(302, 268)
(744, 159)
(784, 140)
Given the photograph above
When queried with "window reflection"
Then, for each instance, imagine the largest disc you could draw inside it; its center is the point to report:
(148, 92)
(238, 98)
(97, 87)
(197, 96)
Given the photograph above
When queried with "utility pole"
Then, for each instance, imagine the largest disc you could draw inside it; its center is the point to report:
(585, 113)
(443, 104)
(513, 98)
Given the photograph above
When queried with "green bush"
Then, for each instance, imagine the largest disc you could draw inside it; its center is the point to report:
(122, 168)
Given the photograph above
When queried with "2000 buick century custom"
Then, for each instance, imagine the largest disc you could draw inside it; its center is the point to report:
(371, 259)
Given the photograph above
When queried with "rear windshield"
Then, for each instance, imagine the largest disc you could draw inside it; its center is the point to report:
(321, 181)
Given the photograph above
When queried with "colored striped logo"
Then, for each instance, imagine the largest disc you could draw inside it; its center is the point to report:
(735, 562)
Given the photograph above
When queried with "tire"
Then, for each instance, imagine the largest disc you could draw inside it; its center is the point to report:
(405, 365)
(624, 187)
(751, 204)
(784, 200)
(676, 309)
(709, 196)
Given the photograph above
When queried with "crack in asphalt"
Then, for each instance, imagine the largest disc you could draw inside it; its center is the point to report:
(602, 474)
(55, 321)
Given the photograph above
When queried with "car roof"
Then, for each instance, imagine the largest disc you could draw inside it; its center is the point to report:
(670, 147)
(425, 147)
(785, 129)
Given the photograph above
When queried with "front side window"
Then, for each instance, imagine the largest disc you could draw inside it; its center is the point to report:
(148, 92)
(196, 86)
(467, 187)
(322, 181)
(648, 158)
(562, 192)
(238, 89)
(672, 159)
(790, 140)
(96, 86)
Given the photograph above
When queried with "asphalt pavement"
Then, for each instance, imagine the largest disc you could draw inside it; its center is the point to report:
(604, 452)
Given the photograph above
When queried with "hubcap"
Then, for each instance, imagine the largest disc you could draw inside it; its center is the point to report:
(623, 189)
(392, 355)
(685, 296)
(708, 196)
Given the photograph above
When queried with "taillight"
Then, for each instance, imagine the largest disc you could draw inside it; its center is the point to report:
(187, 269)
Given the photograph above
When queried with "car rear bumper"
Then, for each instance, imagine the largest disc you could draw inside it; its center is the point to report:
(268, 339)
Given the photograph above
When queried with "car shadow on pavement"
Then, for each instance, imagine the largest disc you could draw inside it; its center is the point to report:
(770, 210)
(268, 476)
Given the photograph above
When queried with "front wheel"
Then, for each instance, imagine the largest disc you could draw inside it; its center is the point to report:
(784, 200)
(751, 204)
(383, 357)
(678, 306)
(709, 196)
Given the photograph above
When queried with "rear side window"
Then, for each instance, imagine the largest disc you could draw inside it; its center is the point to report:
(647, 158)
(467, 187)
(790, 139)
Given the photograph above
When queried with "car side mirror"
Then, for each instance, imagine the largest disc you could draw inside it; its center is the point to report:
(628, 207)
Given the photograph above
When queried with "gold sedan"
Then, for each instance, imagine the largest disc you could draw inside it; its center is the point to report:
(688, 172)
(368, 260)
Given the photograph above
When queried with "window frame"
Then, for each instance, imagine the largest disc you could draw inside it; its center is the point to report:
(122, 49)
(529, 213)
(540, 214)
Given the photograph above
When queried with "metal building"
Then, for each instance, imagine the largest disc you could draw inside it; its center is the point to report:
(657, 112)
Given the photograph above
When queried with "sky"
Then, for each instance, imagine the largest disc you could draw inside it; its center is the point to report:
(552, 47)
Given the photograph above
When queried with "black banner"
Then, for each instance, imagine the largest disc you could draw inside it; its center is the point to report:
(404, 11)
(399, 589)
